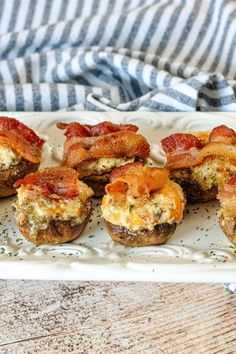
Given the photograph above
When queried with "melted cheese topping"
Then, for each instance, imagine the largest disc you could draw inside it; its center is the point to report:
(214, 171)
(164, 206)
(39, 211)
(8, 157)
(101, 166)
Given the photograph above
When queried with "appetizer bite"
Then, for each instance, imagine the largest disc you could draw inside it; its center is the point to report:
(20, 153)
(53, 206)
(94, 150)
(227, 212)
(142, 206)
(201, 162)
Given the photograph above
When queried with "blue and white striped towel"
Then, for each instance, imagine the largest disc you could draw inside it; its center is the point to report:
(166, 55)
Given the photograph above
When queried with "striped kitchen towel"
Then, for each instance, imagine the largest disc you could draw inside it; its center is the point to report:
(166, 55)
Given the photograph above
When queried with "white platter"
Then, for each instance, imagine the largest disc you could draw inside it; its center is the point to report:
(198, 251)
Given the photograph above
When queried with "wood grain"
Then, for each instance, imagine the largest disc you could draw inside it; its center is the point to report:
(92, 317)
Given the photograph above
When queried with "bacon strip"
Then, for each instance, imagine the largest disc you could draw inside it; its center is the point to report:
(182, 150)
(123, 143)
(129, 168)
(140, 180)
(180, 143)
(21, 139)
(186, 150)
(55, 182)
(223, 134)
(76, 129)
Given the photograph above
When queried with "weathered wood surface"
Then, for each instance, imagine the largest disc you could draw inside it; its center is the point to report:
(90, 317)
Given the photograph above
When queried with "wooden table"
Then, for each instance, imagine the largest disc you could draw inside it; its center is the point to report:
(92, 317)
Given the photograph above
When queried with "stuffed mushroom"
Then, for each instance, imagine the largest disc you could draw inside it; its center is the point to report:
(201, 162)
(95, 150)
(20, 153)
(142, 206)
(53, 206)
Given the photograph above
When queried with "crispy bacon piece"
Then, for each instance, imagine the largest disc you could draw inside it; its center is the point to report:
(129, 168)
(21, 139)
(182, 150)
(140, 180)
(222, 134)
(103, 140)
(123, 143)
(108, 127)
(185, 160)
(55, 182)
(76, 129)
(9, 124)
(186, 150)
(180, 143)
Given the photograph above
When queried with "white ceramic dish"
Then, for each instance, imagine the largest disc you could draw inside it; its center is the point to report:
(198, 251)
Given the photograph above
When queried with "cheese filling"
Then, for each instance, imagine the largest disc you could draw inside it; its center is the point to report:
(8, 158)
(37, 212)
(139, 214)
(101, 166)
(214, 171)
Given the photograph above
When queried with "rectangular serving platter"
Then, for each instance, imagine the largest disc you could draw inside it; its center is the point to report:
(197, 252)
